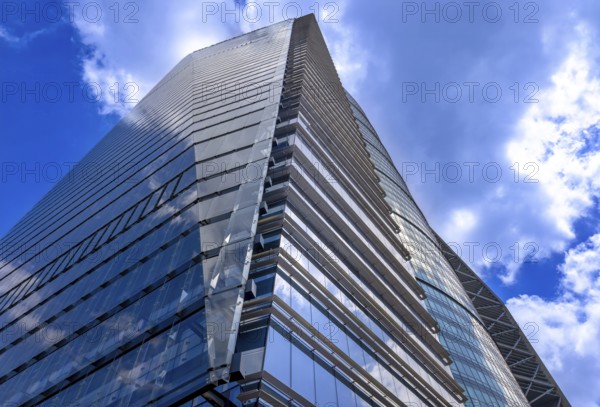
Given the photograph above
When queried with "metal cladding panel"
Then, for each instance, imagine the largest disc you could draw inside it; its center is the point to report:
(124, 284)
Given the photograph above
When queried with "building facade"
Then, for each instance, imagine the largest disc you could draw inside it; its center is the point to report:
(493, 359)
(242, 237)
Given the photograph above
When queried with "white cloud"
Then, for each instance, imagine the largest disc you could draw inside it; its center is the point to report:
(462, 221)
(22, 41)
(6, 36)
(132, 57)
(349, 55)
(115, 89)
(132, 52)
(568, 336)
(556, 143)
(559, 136)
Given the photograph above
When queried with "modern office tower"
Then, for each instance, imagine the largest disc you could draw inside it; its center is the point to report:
(241, 237)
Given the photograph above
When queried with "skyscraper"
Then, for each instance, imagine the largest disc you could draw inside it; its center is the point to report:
(242, 237)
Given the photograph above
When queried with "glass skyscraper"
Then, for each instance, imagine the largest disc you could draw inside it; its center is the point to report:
(242, 237)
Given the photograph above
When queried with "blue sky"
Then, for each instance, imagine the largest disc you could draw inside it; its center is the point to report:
(491, 112)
